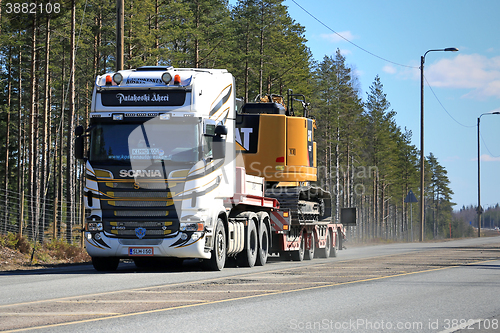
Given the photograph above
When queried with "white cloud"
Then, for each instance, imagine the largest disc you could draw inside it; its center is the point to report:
(479, 74)
(345, 52)
(452, 159)
(335, 38)
(390, 69)
(488, 158)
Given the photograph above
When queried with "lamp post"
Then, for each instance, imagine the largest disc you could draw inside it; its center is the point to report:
(422, 205)
(479, 208)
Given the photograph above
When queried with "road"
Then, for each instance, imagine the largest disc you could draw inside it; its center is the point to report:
(417, 287)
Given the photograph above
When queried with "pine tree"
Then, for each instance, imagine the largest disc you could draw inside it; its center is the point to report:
(381, 151)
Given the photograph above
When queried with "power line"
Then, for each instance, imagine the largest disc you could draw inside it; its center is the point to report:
(379, 57)
(347, 40)
(449, 114)
(486, 146)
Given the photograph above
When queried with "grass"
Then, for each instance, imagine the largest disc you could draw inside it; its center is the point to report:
(16, 253)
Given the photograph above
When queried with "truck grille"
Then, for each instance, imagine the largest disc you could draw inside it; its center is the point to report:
(141, 213)
(153, 229)
(125, 210)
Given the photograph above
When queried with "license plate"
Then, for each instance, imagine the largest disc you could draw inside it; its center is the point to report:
(140, 251)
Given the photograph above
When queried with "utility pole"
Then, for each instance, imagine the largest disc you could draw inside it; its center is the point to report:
(479, 208)
(120, 18)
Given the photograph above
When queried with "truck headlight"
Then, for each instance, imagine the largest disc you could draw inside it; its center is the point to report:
(94, 226)
(191, 226)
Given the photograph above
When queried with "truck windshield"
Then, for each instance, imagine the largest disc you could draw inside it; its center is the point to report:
(154, 141)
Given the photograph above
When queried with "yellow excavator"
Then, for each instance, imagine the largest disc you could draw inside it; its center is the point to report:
(279, 146)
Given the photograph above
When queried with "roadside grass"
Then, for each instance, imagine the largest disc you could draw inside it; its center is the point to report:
(18, 253)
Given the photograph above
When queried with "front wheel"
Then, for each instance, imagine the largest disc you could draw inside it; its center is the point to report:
(105, 264)
(218, 258)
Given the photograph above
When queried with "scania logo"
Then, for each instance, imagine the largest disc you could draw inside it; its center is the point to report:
(140, 173)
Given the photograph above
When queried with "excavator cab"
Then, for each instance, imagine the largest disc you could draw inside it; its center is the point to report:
(280, 147)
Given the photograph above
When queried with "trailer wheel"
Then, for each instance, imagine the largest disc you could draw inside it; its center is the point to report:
(263, 251)
(333, 252)
(325, 252)
(298, 255)
(218, 258)
(105, 264)
(309, 255)
(248, 256)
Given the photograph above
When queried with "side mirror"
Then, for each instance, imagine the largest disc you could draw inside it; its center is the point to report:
(79, 147)
(79, 130)
(219, 142)
(79, 143)
(220, 130)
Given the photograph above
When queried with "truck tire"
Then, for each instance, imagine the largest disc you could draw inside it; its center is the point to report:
(218, 257)
(105, 264)
(298, 255)
(325, 252)
(309, 255)
(263, 251)
(248, 256)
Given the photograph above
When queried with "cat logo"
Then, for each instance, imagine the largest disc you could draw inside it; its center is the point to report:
(245, 132)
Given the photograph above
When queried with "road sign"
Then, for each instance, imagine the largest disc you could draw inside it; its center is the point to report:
(411, 197)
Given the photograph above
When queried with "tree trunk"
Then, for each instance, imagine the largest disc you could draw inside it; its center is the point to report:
(70, 169)
(32, 121)
(7, 141)
(20, 151)
(261, 62)
(45, 135)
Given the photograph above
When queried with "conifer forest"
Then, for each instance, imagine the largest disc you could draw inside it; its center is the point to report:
(49, 59)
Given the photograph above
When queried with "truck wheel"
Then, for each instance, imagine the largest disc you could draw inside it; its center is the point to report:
(263, 251)
(298, 255)
(218, 258)
(248, 256)
(263, 246)
(309, 255)
(325, 252)
(105, 264)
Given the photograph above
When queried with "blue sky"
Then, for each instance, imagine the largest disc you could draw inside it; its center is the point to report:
(466, 83)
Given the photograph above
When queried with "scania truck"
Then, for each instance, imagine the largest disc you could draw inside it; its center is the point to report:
(175, 168)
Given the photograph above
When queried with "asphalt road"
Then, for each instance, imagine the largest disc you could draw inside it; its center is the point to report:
(428, 287)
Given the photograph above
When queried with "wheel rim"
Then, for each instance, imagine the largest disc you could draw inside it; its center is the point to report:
(220, 245)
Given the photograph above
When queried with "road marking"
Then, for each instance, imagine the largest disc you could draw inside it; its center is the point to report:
(321, 262)
(229, 299)
(133, 301)
(51, 314)
(234, 299)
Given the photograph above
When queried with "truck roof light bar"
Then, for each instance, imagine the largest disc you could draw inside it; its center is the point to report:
(166, 77)
(108, 80)
(118, 78)
(177, 79)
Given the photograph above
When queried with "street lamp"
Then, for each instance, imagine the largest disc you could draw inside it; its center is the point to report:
(479, 208)
(422, 206)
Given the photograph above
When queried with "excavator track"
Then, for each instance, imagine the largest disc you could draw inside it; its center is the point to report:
(307, 204)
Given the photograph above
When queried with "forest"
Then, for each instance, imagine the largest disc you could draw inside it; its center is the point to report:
(50, 57)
